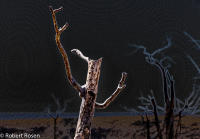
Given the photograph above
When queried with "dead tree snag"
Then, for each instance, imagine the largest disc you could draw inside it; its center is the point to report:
(87, 92)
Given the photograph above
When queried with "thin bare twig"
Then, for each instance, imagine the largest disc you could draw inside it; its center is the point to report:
(120, 87)
(58, 31)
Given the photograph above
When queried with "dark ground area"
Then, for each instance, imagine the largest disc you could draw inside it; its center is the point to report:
(109, 127)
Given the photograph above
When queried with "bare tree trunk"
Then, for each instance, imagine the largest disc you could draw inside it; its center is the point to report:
(169, 117)
(178, 125)
(88, 101)
(55, 118)
(87, 92)
(157, 122)
(55, 127)
(148, 127)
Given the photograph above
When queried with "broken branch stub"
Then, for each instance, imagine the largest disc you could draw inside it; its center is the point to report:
(88, 92)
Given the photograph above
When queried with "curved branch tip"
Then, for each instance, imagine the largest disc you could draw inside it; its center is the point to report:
(80, 54)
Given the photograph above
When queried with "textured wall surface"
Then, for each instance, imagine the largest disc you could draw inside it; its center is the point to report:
(31, 68)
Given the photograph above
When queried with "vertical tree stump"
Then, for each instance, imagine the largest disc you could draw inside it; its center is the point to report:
(87, 92)
(88, 100)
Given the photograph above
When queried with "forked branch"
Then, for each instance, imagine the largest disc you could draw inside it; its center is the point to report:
(120, 87)
(59, 31)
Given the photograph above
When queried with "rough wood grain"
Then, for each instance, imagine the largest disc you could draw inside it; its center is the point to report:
(87, 92)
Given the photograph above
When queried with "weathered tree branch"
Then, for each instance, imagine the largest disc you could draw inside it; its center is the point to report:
(80, 54)
(164, 78)
(169, 115)
(58, 31)
(120, 87)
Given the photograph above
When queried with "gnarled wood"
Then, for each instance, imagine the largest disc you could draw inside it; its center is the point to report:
(88, 92)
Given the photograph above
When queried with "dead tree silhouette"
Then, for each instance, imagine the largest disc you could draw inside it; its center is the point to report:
(173, 107)
(57, 114)
(87, 92)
